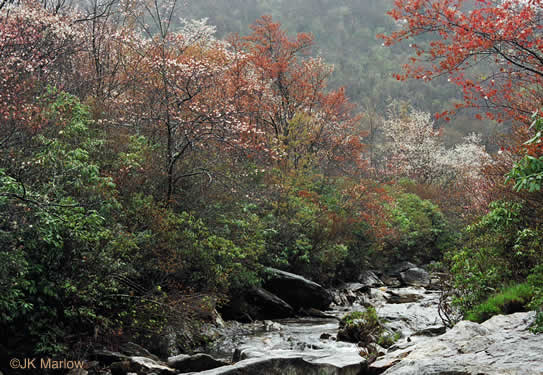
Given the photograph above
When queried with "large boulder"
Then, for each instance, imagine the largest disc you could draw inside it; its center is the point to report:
(406, 273)
(296, 290)
(408, 310)
(369, 280)
(415, 277)
(501, 345)
(256, 304)
(268, 305)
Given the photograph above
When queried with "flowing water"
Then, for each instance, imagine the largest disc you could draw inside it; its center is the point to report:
(405, 310)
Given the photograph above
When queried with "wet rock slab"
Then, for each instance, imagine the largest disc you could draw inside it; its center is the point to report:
(407, 310)
(197, 362)
(501, 345)
(296, 363)
(140, 366)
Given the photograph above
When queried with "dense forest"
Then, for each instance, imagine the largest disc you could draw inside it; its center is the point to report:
(157, 157)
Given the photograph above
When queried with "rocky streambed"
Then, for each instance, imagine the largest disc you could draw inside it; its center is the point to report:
(309, 345)
(405, 299)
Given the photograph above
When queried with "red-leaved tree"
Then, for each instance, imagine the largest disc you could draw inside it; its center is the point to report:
(300, 114)
(503, 37)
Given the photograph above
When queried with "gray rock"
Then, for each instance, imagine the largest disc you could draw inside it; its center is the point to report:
(246, 352)
(408, 317)
(144, 365)
(415, 277)
(391, 281)
(134, 350)
(403, 296)
(257, 304)
(197, 362)
(368, 279)
(396, 269)
(501, 345)
(268, 305)
(271, 326)
(296, 363)
(350, 294)
(379, 296)
(296, 290)
(219, 322)
(431, 331)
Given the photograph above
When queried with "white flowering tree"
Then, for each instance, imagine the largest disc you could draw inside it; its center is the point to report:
(184, 90)
(34, 46)
(414, 149)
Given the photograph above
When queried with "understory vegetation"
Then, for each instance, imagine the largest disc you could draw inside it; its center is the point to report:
(150, 171)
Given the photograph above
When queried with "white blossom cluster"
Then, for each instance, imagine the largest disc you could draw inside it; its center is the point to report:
(414, 149)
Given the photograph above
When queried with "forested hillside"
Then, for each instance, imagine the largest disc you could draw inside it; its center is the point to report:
(154, 166)
(345, 33)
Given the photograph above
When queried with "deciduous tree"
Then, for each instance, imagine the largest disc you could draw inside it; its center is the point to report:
(503, 35)
(300, 104)
(181, 91)
(34, 49)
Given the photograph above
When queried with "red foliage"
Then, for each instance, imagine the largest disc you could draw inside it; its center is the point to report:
(297, 84)
(503, 35)
(33, 45)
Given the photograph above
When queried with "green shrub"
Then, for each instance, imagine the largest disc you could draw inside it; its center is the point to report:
(77, 265)
(513, 299)
(54, 232)
(388, 339)
(181, 248)
(365, 328)
(527, 173)
(537, 327)
(361, 327)
(500, 249)
(307, 233)
(535, 280)
(422, 231)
